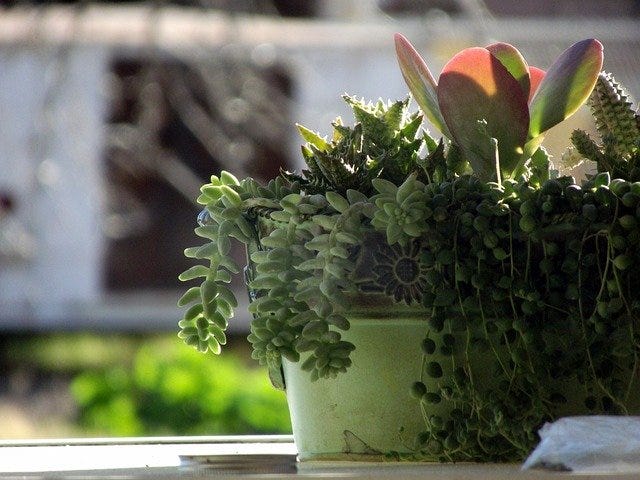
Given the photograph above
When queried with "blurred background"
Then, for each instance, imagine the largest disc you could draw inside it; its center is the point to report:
(112, 114)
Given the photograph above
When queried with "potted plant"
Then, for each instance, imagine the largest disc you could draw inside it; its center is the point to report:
(439, 299)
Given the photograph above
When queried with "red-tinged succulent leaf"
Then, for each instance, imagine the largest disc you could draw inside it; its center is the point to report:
(513, 61)
(566, 86)
(421, 83)
(475, 86)
(535, 76)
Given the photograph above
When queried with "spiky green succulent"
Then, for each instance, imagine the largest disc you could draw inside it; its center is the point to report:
(619, 128)
(614, 115)
(383, 143)
(301, 232)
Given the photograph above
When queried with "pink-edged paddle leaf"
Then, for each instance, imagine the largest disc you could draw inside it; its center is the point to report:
(474, 86)
(420, 81)
(513, 61)
(566, 86)
(535, 77)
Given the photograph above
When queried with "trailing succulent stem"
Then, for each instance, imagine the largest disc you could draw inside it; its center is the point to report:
(304, 245)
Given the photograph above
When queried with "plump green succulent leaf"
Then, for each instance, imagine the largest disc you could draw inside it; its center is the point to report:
(566, 86)
(193, 272)
(514, 62)
(420, 81)
(475, 87)
(227, 178)
(191, 295)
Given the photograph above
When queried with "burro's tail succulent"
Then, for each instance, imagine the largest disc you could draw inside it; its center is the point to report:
(495, 106)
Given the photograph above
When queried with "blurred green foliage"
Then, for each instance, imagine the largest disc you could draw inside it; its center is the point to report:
(67, 353)
(168, 388)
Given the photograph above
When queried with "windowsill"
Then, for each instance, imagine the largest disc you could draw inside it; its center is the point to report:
(252, 457)
(142, 456)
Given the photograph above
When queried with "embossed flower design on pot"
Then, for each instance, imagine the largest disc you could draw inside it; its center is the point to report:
(397, 272)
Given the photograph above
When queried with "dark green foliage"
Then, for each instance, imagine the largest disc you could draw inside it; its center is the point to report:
(550, 308)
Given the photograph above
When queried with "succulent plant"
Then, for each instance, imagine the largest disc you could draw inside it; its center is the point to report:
(496, 107)
(537, 276)
(384, 143)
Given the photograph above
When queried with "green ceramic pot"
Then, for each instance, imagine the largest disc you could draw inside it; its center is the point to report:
(368, 411)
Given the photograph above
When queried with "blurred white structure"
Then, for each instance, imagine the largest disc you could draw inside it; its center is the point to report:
(50, 152)
(53, 66)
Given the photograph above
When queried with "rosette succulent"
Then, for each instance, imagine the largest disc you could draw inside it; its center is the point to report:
(495, 106)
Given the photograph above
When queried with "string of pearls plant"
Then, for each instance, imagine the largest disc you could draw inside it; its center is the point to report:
(531, 280)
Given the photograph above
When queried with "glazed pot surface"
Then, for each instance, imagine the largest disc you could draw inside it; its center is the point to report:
(367, 411)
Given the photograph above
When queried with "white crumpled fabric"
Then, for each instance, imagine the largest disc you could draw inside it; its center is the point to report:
(589, 444)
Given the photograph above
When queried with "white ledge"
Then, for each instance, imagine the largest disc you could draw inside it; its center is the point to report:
(238, 457)
(97, 454)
